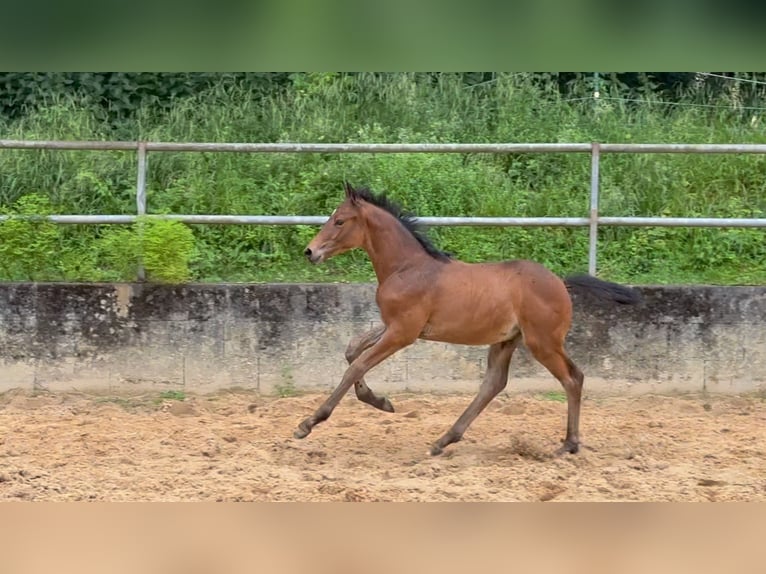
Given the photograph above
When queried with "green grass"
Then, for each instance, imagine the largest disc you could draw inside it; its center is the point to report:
(127, 403)
(391, 108)
(287, 387)
(555, 396)
(172, 395)
(286, 390)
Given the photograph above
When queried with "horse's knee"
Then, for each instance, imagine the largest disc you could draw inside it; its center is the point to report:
(495, 382)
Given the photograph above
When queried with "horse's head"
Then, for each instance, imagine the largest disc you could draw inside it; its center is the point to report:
(345, 230)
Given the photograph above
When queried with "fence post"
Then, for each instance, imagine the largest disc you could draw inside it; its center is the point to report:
(593, 236)
(141, 197)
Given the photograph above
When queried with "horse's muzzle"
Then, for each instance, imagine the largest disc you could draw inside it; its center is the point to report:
(312, 256)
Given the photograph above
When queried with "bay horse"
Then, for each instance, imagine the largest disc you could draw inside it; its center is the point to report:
(424, 293)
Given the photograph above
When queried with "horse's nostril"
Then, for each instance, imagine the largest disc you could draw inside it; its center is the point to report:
(307, 252)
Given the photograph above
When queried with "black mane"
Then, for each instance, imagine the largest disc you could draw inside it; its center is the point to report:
(408, 220)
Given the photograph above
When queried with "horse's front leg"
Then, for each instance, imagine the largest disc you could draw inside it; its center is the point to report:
(354, 349)
(389, 343)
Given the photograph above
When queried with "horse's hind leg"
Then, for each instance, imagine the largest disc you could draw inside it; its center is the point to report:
(554, 358)
(363, 392)
(495, 380)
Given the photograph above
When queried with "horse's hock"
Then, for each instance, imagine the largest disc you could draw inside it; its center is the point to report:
(269, 338)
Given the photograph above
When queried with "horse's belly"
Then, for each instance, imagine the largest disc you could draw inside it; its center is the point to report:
(475, 308)
(471, 332)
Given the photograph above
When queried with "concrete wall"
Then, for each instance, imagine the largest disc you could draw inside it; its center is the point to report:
(206, 337)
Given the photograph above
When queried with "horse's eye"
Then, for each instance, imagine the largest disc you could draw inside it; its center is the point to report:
(338, 222)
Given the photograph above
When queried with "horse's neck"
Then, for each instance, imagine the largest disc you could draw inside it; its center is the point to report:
(389, 245)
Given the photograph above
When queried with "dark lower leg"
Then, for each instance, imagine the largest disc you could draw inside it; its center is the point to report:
(363, 392)
(325, 410)
(384, 347)
(573, 387)
(495, 381)
(553, 358)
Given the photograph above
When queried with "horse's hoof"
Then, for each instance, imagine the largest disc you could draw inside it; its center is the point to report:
(436, 450)
(387, 406)
(567, 448)
(302, 432)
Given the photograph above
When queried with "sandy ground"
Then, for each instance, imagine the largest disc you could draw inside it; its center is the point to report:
(237, 446)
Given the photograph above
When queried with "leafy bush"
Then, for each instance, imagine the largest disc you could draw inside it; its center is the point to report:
(164, 248)
(28, 248)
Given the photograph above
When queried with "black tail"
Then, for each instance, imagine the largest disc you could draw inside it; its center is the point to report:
(604, 289)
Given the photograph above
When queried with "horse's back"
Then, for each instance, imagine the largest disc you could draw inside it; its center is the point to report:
(519, 276)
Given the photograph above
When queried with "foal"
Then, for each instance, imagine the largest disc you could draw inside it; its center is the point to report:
(425, 294)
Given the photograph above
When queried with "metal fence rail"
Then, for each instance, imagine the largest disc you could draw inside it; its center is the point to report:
(592, 221)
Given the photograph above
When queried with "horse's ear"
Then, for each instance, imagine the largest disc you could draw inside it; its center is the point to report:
(350, 192)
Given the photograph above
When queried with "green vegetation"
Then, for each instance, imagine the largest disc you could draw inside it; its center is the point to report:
(172, 395)
(36, 249)
(381, 108)
(555, 396)
(164, 248)
(286, 388)
(150, 400)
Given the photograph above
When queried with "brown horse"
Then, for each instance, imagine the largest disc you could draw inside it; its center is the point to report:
(425, 294)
